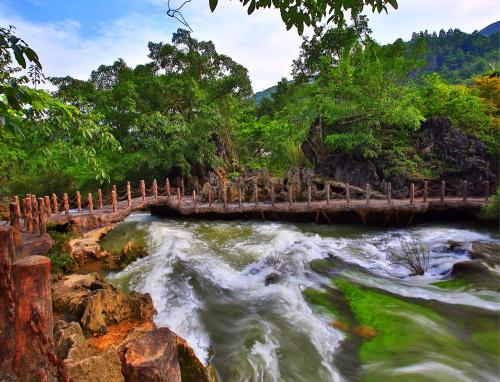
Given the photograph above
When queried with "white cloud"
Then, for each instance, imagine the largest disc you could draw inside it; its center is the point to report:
(260, 42)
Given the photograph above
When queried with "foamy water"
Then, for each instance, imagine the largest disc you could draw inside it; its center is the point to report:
(208, 284)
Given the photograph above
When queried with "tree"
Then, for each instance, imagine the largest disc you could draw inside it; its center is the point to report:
(300, 14)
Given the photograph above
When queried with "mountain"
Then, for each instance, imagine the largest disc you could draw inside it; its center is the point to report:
(490, 29)
(259, 96)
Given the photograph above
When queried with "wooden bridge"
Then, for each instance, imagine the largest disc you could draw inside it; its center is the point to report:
(29, 216)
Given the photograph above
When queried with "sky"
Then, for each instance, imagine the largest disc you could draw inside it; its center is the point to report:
(74, 37)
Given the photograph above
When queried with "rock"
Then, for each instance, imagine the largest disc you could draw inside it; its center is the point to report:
(487, 252)
(152, 357)
(129, 253)
(88, 245)
(120, 334)
(469, 268)
(104, 367)
(365, 332)
(454, 246)
(70, 343)
(273, 278)
(106, 306)
(340, 325)
(192, 369)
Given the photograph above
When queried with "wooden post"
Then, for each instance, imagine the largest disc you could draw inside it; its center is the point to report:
(167, 187)
(224, 194)
(28, 213)
(79, 202)
(367, 193)
(209, 195)
(129, 194)
(464, 190)
(309, 194)
(290, 194)
(99, 198)
(426, 187)
(155, 188)
(113, 200)
(239, 193)
(7, 303)
(195, 202)
(389, 192)
(113, 188)
(66, 204)
(443, 185)
(182, 187)
(15, 223)
(46, 202)
(34, 212)
(348, 193)
(255, 193)
(18, 207)
(42, 219)
(412, 193)
(327, 193)
(179, 198)
(272, 194)
(55, 207)
(143, 190)
(486, 190)
(90, 204)
(33, 318)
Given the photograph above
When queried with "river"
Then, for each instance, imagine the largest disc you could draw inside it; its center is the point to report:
(246, 298)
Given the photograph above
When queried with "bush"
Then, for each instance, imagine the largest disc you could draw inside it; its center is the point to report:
(412, 255)
(60, 257)
(492, 209)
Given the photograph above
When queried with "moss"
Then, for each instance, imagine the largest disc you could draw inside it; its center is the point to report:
(322, 266)
(60, 257)
(321, 299)
(451, 284)
(407, 333)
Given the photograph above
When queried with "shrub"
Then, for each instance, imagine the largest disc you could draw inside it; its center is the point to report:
(411, 254)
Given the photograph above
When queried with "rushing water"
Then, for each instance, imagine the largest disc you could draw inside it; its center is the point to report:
(208, 284)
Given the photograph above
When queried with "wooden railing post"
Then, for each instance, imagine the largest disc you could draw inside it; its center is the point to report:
(15, 224)
(46, 201)
(55, 207)
(367, 193)
(443, 185)
(224, 194)
(412, 193)
(129, 195)
(167, 187)
(66, 204)
(389, 192)
(255, 193)
(486, 190)
(182, 187)
(179, 198)
(464, 190)
(79, 202)
(272, 194)
(309, 194)
(426, 187)
(90, 204)
(290, 194)
(195, 202)
(28, 213)
(209, 195)
(34, 212)
(348, 193)
(143, 190)
(33, 323)
(42, 219)
(99, 198)
(155, 189)
(239, 194)
(113, 201)
(18, 206)
(327, 193)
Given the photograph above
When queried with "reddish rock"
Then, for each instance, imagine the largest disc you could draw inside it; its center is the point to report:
(365, 332)
(152, 358)
(340, 325)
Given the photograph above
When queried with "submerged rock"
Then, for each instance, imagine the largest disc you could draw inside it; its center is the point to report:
(469, 267)
(487, 252)
(272, 278)
(365, 332)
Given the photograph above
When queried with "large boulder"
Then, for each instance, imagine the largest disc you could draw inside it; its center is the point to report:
(152, 358)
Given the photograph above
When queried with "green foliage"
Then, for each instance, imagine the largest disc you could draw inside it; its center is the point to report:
(492, 209)
(311, 13)
(60, 257)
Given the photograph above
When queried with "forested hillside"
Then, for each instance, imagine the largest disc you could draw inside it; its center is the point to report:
(188, 111)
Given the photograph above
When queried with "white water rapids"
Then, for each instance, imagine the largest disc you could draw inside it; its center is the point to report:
(208, 284)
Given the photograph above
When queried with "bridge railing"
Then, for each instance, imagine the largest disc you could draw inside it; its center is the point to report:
(29, 214)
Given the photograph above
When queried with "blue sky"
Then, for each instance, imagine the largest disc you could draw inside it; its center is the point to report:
(73, 37)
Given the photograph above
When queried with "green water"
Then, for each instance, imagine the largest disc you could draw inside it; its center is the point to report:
(208, 283)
